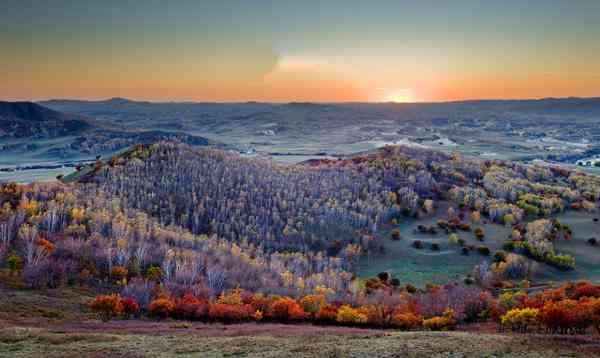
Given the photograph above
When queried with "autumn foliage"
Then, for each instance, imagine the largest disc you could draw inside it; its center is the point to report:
(570, 309)
(284, 310)
(445, 322)
(130, 307)
(351, 316)
(190, 307)
(229, 313)
(406, 320)
(107, 306)
(519, 319)
(161, 308)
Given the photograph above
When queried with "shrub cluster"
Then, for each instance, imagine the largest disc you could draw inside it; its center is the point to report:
(570, 309)
(111, 306)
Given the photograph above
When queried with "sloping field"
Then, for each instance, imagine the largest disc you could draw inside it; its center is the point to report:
(29, 327)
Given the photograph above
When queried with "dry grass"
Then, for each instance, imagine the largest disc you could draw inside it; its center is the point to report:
(27, 342)
(53, 305)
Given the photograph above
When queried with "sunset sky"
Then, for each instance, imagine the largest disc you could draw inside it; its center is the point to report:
(299, 50)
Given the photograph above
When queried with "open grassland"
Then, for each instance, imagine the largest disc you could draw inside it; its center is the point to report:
(420, 266)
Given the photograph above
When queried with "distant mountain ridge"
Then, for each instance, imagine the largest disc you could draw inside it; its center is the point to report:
(27, 127)
(121, 100)
(28, 119)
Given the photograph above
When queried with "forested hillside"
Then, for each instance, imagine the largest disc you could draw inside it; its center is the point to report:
(336, 203)
(212, 235)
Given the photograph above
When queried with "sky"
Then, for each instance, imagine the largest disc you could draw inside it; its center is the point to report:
(279, 51)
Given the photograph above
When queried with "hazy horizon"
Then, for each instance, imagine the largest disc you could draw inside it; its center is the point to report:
(106, 99)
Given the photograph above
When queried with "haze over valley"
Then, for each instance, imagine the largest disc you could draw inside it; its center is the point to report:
(526, 130)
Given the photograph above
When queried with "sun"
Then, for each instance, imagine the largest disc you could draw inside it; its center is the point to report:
(399, 96)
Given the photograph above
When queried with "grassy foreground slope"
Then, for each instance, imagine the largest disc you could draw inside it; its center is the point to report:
(31, 342)
(56, 323)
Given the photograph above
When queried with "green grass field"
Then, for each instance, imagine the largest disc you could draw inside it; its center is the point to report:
(419, 266)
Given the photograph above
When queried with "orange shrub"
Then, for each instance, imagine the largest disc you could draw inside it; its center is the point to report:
(161, 307)
(285, 309)
(106, 306)
(326, 314)
(406, 320)
(257, 316)
(377, 315)
(130, 307)
(47, 245)
(231, 313)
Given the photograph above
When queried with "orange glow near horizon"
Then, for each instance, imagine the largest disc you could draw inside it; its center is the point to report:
(400, 96)
(395, 51)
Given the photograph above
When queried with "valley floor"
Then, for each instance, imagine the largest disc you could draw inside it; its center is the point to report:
(55, 323)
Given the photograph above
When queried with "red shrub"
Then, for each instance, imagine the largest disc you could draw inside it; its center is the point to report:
(566, 316)
(130, 307)
(553, 317)
(554, 295)
(593, 311)
(536, 301)
(190, 307)
(285, 309)
(161, 308)
(586, 289)
(107, 306)
(496, 311)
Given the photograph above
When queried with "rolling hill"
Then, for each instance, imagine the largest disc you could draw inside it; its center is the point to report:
(32, 131)
(30, 120)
